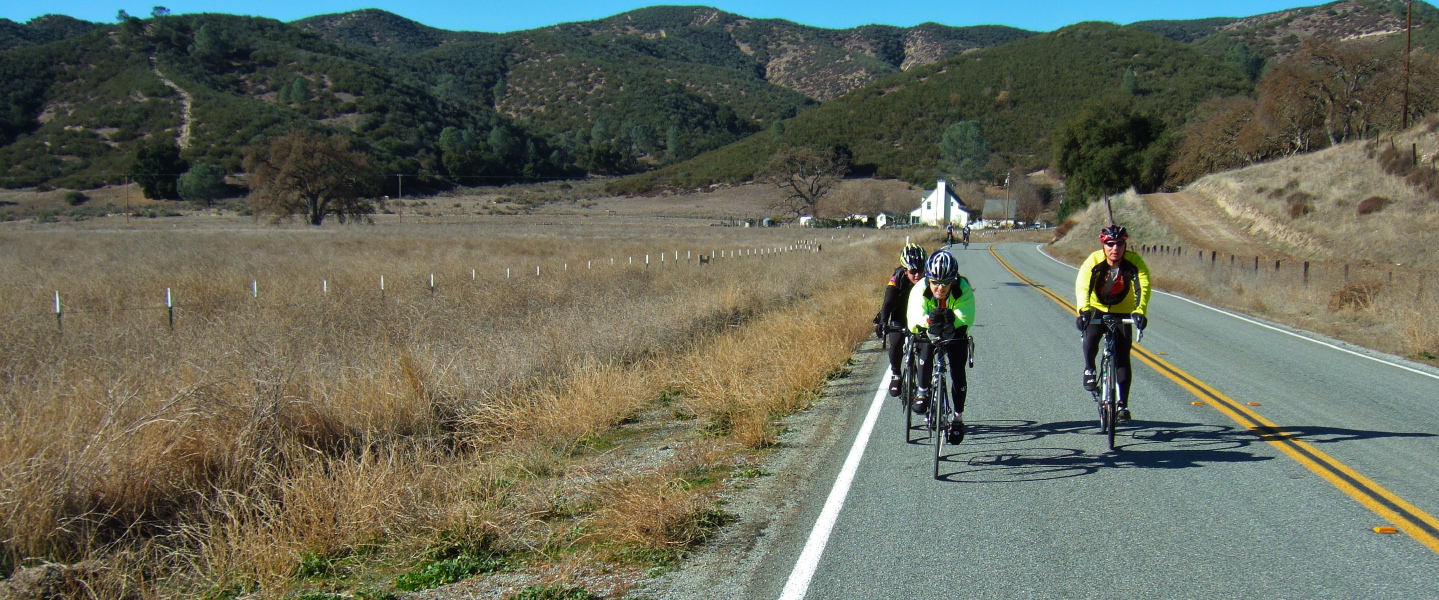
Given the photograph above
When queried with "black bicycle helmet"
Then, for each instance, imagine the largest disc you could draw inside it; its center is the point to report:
(1113, 233)
(912, 257)
(942, 268)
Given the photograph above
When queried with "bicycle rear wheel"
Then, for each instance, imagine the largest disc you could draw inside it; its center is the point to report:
(1111, 400)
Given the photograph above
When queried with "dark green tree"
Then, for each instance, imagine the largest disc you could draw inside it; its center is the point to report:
(204, 182)
(1244, 61)
(502, 140)
(211, 44)
(1109, 147)
(299, 91)
(963, 151)
(1128, 83)
(156, 168)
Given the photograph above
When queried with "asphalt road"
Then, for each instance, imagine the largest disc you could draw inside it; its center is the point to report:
(1195, 504)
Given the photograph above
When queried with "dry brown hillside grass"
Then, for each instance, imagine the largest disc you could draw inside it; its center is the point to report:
(347, 441)
(1382, 306)
(1307, 206)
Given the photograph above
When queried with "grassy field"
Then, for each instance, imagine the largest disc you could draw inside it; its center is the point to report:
(299, 430)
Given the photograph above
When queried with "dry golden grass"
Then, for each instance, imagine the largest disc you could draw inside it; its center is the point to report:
(211, 459)
(1336, 180)
(1397, 313)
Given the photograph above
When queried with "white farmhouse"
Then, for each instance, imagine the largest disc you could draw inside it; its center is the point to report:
(940, 206)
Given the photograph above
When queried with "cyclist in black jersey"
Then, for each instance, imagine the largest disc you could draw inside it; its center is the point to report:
(891, 318)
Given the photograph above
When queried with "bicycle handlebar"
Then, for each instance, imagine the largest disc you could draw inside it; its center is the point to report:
(1112, 323)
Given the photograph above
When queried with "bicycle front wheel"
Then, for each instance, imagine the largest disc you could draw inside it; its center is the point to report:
(1111, 402)
(939, 408)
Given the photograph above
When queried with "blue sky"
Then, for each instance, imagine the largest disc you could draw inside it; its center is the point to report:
(511, 15)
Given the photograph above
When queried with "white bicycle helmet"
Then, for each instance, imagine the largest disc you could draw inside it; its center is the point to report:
(942, 268)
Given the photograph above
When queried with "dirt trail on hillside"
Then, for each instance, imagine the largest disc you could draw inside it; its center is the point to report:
(1202, 224)
(184, 140)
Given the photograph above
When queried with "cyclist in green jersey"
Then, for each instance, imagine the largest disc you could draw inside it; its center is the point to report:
(942, 307)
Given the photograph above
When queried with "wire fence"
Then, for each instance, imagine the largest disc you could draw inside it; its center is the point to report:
(24, 300)
(1348, 284)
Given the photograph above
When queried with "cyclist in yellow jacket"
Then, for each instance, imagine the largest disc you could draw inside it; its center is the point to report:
(942, 307)
(1116, 281)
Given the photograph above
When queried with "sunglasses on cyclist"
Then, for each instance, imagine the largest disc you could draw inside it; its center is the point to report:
(916, 271)
(1113, 244)
(944, 282)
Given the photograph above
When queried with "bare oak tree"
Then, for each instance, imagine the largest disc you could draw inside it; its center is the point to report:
(1029, 199)
(313, 174)
(805, 175)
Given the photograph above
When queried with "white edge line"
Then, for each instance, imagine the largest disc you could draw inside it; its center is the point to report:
(1391, 363)
(804, 568)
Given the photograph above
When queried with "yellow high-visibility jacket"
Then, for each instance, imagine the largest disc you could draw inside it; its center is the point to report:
(1094, 271)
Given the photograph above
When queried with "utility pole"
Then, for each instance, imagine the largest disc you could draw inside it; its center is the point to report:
(1408, 43)
(127, 198)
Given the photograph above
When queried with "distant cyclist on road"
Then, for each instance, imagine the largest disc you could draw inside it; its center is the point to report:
(1116, 281)
(891, 318)
(943, 307)
(949, 234)
(965, 233)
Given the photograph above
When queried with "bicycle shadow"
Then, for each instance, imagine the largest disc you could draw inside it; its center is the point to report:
(988, 455)
(1317, 434)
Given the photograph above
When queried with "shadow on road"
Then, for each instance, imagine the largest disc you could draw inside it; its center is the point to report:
(994, 451)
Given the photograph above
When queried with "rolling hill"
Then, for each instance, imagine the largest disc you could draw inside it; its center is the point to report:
(1019, 92)
(694, 90)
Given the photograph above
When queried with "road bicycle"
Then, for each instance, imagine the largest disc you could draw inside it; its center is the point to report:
(941, 412)
(1106, 394)
(908, 375)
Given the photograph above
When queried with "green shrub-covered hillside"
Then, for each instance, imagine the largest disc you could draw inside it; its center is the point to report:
(1019, 93)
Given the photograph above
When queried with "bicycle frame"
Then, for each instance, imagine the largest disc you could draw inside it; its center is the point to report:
(1106, 394)
(907, 375)
(941, 412)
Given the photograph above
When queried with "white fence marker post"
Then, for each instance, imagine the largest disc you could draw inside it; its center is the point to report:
(507, 272)
(59, 316)
(324, 286)
(382, 286)
(254, 288)
(537, 270)
(170, 308)
(472, 274)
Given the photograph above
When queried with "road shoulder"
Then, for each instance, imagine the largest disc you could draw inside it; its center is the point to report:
(752, 557)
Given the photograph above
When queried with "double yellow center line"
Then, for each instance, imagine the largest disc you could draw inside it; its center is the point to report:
(1405, 516)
